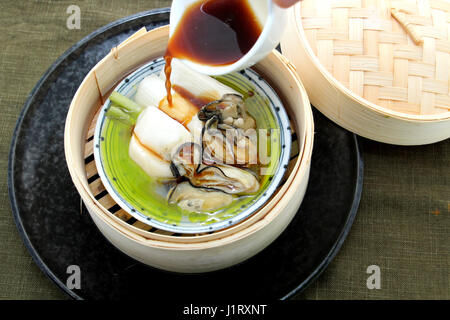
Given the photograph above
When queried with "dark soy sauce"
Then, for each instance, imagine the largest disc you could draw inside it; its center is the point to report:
(213, 32)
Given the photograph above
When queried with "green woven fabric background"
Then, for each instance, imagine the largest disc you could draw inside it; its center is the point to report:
(403, 223)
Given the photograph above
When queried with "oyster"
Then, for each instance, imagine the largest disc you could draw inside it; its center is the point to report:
(226, 178)
(228, 135)
(229, 179)
(229, 110)
(218, 148)
(198, 200)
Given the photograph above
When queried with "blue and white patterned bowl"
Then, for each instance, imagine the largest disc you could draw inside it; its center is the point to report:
(125, 185)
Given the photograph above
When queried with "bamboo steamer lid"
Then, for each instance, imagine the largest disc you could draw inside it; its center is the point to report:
(378, 68)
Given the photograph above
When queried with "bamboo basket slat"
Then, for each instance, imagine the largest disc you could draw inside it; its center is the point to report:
(379, 68)
(199, 253)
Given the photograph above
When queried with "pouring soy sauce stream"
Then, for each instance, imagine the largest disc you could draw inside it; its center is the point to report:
(214, 33)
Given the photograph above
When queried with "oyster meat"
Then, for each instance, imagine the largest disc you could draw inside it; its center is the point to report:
(198, 200)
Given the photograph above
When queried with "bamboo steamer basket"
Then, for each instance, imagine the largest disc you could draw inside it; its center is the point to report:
(378, 68)
(126, 220)
(122, 218)
(177, 253)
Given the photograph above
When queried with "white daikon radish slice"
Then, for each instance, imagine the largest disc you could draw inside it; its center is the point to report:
(198, 84)
(151, 163)
(181, 109)
(159, 132)
(150, 91)
(195, 126)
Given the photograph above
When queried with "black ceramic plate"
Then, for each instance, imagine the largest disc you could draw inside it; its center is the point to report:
(59, 232)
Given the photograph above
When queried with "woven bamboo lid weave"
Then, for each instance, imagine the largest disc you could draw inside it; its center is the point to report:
(393, 56)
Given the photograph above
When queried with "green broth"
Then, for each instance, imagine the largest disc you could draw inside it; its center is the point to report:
(148, 195)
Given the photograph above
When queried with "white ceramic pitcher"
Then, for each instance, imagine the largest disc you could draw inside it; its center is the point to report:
(270, 15)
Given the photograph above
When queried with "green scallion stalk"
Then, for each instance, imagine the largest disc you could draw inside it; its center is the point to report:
(125, 102)
(116, 113)
(123, 109)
